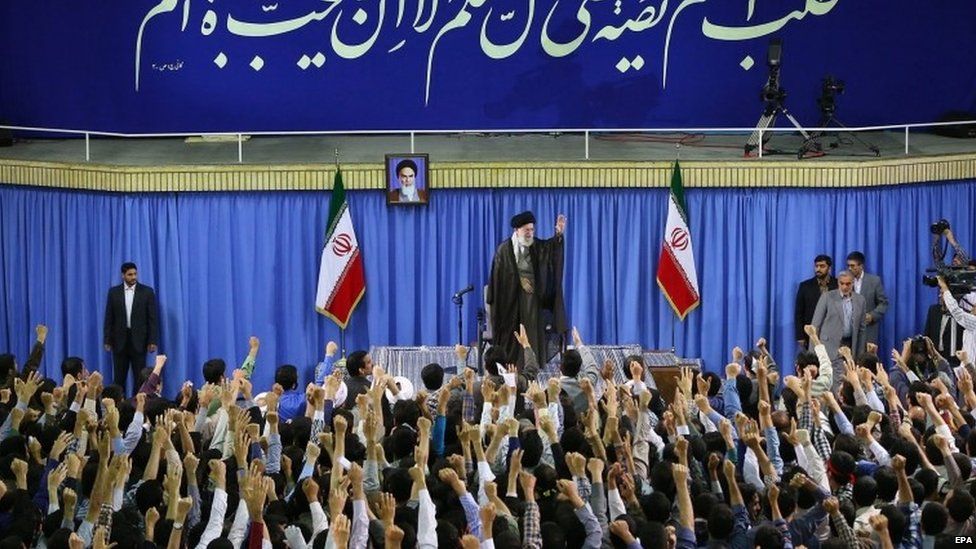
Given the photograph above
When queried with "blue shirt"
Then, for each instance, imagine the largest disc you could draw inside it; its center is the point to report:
(291, 405)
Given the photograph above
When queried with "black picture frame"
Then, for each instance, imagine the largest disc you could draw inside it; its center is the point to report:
(398, 168)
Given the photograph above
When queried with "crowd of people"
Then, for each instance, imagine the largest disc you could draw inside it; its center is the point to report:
(751, 458)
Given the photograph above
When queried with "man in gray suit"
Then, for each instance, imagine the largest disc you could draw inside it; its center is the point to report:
(875, 299)
(839, 320)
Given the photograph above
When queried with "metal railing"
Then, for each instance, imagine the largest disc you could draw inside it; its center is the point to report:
(241, 135)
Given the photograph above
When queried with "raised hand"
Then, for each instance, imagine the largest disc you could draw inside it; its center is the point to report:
(311, 490)
(831, 505)
(560, 224)
(577, 340)
(527, 480)
(620, 529)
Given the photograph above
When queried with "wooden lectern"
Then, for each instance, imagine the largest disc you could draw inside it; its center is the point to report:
(666, 378)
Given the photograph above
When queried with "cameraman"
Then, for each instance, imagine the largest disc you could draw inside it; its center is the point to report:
(965, 318)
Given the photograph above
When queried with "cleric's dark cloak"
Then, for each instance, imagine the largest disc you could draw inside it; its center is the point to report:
(504, 290)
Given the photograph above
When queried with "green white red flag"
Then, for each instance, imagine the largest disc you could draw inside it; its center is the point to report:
(342, 280)
(676, 273)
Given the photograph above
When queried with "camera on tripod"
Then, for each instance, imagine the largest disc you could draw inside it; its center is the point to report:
(829, 91)
(939, 226)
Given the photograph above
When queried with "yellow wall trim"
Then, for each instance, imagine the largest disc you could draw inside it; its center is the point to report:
(458, 175)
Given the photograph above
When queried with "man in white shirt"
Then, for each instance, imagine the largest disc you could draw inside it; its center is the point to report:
(965, 318)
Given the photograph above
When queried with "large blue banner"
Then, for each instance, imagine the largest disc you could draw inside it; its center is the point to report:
(274, 65)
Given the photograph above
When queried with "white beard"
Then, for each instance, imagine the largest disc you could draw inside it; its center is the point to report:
(410, 193)
(526, 241)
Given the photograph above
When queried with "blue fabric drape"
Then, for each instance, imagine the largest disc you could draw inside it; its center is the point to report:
(229, 265)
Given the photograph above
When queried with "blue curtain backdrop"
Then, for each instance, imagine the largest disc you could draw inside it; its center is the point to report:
(229, 265)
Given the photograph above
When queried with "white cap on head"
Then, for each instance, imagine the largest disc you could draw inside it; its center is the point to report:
(406, 389)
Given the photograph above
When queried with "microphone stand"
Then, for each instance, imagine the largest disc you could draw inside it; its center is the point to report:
(458, 300)
(482, 326)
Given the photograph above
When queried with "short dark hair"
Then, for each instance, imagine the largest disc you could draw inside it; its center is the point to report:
(865, 490)
(929, 480)
(842, 464)
(960, 506)
(531, 448)
(935, 517)
(858, 258)
(571, 363)
(787, 500)
(149, 494)
(825, 258)
(214, 370)
(768, 535)
(887, 482)
(128, 265)
(896, 521)
(720, 522)
(406, 163)
(869, 361)
(287, 377)
(355, 363)
(72, 365)
(433, 376)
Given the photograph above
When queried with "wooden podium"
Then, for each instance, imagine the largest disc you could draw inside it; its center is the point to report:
(666, 379)
(665, 367)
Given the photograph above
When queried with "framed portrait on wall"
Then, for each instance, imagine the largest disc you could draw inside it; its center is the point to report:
(407, 179)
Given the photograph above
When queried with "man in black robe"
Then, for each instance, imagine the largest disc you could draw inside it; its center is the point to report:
(525, 287)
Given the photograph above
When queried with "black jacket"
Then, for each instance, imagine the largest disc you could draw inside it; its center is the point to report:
(807, 296)
(145, 328)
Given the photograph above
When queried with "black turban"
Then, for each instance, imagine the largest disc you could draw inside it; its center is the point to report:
(521, 219)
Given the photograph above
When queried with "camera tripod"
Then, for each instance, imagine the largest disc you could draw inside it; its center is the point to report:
(813, 142)
(767, 120)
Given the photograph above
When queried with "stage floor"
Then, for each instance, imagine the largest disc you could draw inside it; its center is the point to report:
(484, 148)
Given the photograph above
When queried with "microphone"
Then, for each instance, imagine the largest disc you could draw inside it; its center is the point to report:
(459, 293)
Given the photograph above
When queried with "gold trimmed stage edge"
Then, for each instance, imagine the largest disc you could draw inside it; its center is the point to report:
(465, 175)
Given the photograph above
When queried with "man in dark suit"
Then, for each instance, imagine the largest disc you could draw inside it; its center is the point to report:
(875, 299)
(131, 329)
(808, 294)
(839, 320)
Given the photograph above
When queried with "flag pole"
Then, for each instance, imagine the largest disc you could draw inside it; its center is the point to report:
(342, 330)
(677, 157)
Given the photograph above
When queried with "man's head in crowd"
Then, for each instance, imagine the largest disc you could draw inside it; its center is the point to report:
(214, 371)
(433, 376)
(287, 377)
(359, 364)
(845, 283)
(571, 363)
(821, 266)
(855, 263)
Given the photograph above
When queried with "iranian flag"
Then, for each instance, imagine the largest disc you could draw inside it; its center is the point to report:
(342, 281)
(676, 274)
